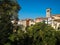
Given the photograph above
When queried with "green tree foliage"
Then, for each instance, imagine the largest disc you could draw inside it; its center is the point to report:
(57, 35)
(38, 34)
(43, 34)
(6, 8)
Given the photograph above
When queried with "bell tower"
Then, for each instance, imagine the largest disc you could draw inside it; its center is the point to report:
(48, 12)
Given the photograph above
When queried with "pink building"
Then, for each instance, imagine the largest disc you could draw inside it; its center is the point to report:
(38, 20)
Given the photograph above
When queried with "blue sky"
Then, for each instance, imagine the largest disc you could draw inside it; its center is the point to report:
(37, 8)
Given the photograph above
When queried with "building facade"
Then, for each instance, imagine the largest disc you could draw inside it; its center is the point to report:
(53, 20)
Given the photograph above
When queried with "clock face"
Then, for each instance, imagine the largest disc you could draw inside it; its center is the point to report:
(48, 10)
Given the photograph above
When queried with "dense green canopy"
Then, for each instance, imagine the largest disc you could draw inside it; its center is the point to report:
(8, 9)
(38, 34)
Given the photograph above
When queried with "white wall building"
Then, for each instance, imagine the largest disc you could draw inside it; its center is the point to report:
(53, 20)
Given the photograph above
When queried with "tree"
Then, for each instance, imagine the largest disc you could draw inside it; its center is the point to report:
(57, 35)
(7, 10)
(42, 34)
(38, 34)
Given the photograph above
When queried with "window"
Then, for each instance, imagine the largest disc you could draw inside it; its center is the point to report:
(47, 10)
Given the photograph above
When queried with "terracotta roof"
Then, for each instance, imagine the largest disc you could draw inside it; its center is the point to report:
(45, 18)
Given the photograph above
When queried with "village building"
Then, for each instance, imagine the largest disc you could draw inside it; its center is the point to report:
(50, 19)
(53, 20)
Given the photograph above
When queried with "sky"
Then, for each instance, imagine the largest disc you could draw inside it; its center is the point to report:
(37, 8)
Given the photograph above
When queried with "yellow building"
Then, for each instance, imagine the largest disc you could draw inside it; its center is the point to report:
(56, 21)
